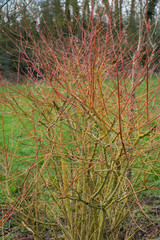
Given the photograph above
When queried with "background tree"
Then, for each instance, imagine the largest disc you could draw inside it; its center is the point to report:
(59, 15)
(85, 12)
(151, 8)
(46, 15)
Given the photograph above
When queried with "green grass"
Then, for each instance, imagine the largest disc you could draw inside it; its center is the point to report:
(16, 140)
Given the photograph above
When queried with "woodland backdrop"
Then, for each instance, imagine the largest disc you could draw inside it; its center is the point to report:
(57, 17)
